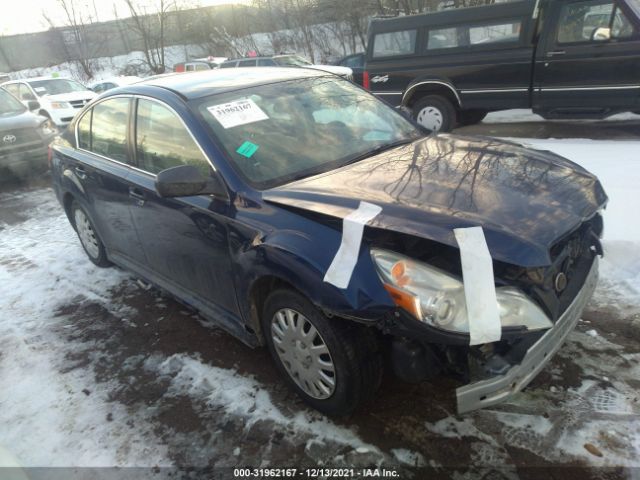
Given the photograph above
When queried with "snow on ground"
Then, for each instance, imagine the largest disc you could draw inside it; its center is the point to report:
(53, 413)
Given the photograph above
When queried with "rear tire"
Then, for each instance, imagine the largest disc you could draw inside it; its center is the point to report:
(344, 358)
(435, 113)
(471, 117)
(89, 239)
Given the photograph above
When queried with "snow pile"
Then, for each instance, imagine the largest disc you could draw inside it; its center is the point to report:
(52, 415)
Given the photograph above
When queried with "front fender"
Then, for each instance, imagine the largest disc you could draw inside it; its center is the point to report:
(301, 258)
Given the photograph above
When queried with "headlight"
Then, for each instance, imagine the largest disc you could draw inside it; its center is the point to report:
(47, 128)
(437, 298)
(60, 105)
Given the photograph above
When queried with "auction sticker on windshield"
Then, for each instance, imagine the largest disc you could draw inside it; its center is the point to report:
(237, 113)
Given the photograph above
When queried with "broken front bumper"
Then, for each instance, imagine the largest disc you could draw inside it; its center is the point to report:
(495, 390)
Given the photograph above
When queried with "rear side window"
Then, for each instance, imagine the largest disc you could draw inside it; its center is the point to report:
(266, 62)
(13, 89)
(465, 35)
(84, 131)
(228, 65)
(162, 141)
(394, 43)
(109, 129)
(247, 63)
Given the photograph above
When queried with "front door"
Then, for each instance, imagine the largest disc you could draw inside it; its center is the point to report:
(589, 60)
(185, 239)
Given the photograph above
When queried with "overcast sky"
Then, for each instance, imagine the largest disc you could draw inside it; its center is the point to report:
(22, 16)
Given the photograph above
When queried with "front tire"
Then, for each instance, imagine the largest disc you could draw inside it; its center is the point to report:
(89, 239)
(435, 113)
(332, 364)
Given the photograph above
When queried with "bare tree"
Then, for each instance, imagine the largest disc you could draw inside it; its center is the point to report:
(150, 24)
(78, 44)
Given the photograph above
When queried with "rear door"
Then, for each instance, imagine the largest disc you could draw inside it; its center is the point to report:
(576, 72)
(185, 239)
(100, 170)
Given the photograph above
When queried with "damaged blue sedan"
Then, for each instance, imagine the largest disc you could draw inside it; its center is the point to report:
(298, 212)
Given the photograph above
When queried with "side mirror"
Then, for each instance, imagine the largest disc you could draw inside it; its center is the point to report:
(33, 105)
(187, 180)
(601, 34)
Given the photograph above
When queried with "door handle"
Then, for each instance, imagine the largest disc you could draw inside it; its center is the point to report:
(81, 173)
(138, 195)
(556, 53)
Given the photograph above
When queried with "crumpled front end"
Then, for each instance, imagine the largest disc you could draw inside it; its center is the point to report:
(498, 388)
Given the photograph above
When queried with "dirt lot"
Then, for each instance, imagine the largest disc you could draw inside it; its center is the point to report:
(98, 371)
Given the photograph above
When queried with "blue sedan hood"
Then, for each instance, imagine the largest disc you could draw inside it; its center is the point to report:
(525, 200)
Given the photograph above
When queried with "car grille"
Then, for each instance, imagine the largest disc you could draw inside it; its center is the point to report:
(572, 259)
(79, 103)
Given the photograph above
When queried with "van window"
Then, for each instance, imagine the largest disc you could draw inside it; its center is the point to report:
(503, 32)
(394, 43)
(462, 36)
(446, 38)
(579, 20)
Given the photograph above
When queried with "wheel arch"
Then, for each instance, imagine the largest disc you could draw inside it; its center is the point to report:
(419, 89)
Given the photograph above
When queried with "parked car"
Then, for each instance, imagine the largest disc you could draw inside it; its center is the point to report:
(59, 98)
(287, 61)
(563, 59)
(193, 66)
(113, 82)
(356, 63)
(264, 201)
(24, 138)
(4, 77)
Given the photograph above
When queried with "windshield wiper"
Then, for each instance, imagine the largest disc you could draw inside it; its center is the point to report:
(379, 149)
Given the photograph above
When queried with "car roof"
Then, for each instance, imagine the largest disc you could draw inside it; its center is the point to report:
(209, 82)
(36, 79)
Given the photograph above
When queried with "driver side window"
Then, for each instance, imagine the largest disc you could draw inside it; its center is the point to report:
(163, 142)
(578, 21)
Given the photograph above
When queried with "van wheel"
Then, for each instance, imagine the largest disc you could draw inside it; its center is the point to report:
(435, 113)
(471, 117)
(332, 364)
(88, 236)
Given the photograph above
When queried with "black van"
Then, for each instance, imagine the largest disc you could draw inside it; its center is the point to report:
(561, 58)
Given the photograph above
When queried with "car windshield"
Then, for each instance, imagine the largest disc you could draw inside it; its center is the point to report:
(9, 105)
(56, 86)
(292, 60)
(280, 132)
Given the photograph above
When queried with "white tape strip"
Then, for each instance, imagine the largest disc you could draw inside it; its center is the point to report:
(341, 268)
(479, 287)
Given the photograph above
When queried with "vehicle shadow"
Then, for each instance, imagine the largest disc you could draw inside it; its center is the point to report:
(591, 129)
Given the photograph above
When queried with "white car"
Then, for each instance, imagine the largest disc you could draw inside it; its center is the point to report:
(105, 84)
(59, 98)
(287, 61)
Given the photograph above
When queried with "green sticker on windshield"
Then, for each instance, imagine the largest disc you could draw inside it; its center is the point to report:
(247, 149)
